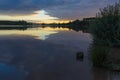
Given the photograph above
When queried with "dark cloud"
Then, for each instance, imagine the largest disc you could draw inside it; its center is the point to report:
(80, 9)
(63, 9)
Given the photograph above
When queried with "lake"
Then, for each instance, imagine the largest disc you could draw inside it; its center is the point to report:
(48, 54)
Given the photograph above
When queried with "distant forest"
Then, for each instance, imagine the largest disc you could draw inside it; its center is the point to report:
(76, 25)
(14, 23)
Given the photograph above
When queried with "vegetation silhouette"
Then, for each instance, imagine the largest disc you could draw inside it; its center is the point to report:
(14, 23)
(10, 25)
(76, 25)
(13, 28)
(106, 27)
(106, 34)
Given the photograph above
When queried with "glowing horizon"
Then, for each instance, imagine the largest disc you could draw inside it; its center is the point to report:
(50, 11)
(40, 16)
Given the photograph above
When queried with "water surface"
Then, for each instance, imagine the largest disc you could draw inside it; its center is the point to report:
(49, 54)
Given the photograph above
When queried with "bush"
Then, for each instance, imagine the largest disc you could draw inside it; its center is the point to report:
(106, 33)
(106, 27)
(99, 55)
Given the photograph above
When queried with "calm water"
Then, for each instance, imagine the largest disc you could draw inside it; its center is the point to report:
(48, 54)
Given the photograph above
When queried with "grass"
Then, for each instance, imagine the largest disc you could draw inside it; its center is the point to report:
(106, 33)
(98, 55)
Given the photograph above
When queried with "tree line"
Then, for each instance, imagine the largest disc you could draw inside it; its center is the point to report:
(14, 23)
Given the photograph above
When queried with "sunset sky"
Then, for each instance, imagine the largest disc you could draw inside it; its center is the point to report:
(50, 11)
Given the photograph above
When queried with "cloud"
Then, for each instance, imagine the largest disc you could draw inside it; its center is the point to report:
(17, 7)
(63, 9)
(80, 9)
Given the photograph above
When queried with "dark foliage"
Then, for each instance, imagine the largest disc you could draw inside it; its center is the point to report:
(14, 23)
(106, 27)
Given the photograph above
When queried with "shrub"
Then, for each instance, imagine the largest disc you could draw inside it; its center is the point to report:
(99, 55)
(106, 33)
(106, 27)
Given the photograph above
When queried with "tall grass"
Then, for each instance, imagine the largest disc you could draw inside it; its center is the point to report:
(99, 55)
(106, 27)
(106, 33)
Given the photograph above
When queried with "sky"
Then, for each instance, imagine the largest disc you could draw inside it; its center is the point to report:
(50, 11)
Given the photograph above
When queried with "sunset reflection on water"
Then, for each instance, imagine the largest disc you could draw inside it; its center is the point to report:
(37, 33)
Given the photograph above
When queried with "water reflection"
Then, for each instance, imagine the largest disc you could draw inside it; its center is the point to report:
(100, 74)
(13, 28)
(53, 57)
(103, 74)
(115, 75)
(37, 33)
(11, 73)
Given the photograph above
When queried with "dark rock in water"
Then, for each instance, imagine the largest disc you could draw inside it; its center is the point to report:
(80, 56)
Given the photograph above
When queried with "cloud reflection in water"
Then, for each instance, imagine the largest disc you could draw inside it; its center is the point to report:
(37, 33)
